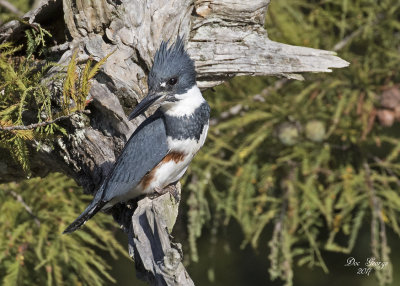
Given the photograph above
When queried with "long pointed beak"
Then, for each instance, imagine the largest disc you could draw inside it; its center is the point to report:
(148, 101)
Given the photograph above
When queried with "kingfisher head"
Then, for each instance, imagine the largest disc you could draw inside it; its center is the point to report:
(171, 77)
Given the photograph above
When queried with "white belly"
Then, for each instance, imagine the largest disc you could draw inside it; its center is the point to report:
(173, 170)
(166, 173)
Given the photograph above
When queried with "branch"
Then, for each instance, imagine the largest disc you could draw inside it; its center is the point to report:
(380, 249)
(341, 44)
(223, 45)
(158, 260)
(41, 124)
(26, 207)
(226, 38)
(48, 10)
(10, 7)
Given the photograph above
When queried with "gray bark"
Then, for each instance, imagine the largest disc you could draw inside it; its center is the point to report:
(226, 38)
(149, 242)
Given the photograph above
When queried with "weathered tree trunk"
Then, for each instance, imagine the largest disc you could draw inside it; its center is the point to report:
(225, 38)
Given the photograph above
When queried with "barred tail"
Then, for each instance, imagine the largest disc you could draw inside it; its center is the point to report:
(95, 206)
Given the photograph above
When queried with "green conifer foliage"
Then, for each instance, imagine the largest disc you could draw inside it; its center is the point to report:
(33, 250)
(24, 93)
(21, 90)
(308, 158)
(34, 212)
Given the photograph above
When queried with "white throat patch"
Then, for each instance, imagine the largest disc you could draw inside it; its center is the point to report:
(186, 104)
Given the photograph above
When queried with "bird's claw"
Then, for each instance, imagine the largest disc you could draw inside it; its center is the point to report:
(161, 191)
(171, 189)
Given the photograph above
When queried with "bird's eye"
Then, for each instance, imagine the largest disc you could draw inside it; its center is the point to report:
(172, 81)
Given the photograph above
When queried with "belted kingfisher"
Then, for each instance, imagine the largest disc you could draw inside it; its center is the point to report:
(161, 148)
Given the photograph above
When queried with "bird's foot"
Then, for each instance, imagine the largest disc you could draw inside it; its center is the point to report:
(161, 191)
(171, 189)
(157, 192)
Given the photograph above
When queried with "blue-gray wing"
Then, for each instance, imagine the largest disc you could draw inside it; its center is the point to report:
(144, 150)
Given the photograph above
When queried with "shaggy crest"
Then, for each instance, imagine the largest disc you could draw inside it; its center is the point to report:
(172, 62)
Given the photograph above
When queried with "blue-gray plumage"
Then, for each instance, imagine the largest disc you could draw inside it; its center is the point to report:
(188, 126)
(160, 150)
(131, 168)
